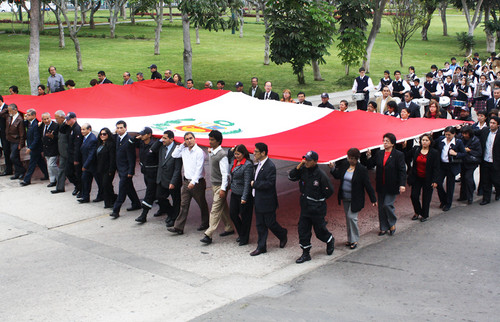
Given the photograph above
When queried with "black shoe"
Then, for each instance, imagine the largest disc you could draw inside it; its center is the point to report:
(354, 246)
(382, 233)
(134, 208)
(415, 217)
(258, 252)
(469, 202)
(242, 243)
(75, 192)
(238, 239)
(484, 202)
(461, 199)
(226, 233)
(114, 215)
(330, 246)
(108, 206)
(284, 240)
(446, 208)
(207, 240)
(175, 230)
(158, 214)
(44, 179)
(21, 176)
(24, 183)
(79, 194)
(5, 173)
(170, 223)
(497, 197)
(52, 184)
(304, 258)
(56, 191)
(392, 231)
(423, 219)
(441, 205)
(83, 200)
(141, 219)
(98, 200)
(15, 177)
(202, 228)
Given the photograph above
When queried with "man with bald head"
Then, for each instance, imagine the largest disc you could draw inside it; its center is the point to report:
(126, 79)
(50, 133)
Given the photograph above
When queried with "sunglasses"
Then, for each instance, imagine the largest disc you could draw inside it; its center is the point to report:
(103, 134)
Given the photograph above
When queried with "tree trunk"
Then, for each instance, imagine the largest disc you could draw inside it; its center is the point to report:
(84, 17)
(377, 20)
(401, 56)
(197, 35)
(346, 69)
(300, 77)
(60, 26)
(159, 23)
(241, 24)
(170, 12)
(257, 16)
(91, 19)
(34, 52)
(123, 11)
(442, 10)
(78, 51)
(425, 28)
(490, 37)
(112, 21)
(472, 23)
(41, 24)
(316, 72)
(188, 51)
(132, 16)
(266, 39)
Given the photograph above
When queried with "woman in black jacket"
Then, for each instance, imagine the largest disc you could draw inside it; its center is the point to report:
(472, 158)
(106, 166)
(423, 176)
(354, 181)
(241, 203)
(390, 181)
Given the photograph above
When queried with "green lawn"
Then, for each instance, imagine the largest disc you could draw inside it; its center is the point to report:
(220, 55)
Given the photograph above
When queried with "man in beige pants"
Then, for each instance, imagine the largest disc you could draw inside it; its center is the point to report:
(219, 175)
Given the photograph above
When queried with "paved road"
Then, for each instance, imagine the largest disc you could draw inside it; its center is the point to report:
(446, 269)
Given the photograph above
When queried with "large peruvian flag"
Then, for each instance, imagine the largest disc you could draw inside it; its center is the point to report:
(289, 130)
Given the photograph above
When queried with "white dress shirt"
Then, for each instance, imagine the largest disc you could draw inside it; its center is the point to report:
(193, 160)
(488, 149)
(446, 149)
(224, 168)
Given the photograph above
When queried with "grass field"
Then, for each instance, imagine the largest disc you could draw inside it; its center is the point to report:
(221, 55)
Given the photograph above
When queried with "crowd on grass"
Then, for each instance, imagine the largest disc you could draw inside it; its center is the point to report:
(174, 173)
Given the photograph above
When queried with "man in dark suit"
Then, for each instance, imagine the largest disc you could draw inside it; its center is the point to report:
(490, 163)
(493, 102)
(301, 99)
(3, 140)
(125, 165)
(50, 133)
(266, 200)
(34, 148)
(413, 107)
(168, 179)
(102, 78)
(255, 90)
(62, 148)
(73, 165)
(89, 164)
(154, 72)
(269, 94)
(15, 134)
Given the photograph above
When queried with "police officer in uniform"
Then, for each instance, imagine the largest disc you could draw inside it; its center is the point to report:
(315, 188)
(148, 160)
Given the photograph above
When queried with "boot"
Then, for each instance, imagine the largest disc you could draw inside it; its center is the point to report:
(142, 218)
(305, 256)
(330, 246)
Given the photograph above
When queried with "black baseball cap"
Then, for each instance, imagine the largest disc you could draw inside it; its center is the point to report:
(311, 155)
(146, 130)
(70, 115)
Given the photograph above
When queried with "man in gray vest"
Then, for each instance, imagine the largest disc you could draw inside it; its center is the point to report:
(62, 145)
(219, 175)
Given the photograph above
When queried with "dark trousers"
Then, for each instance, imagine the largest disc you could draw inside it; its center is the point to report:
(363, 105)
(126, 188)
(421, 209)
(162, 194)
(150, 182)
(241, 215)
(87, 177)
(267, 221)
(15, 157)
(61, 173)
(312, 215)
(74, 173)
(467, 184)
(489, 177)
(106, 190)
(6, 152)
(446, 197)
(36, 160)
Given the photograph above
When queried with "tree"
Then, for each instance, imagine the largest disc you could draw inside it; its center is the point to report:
(352, 39)
(114, 9)
(409, 15)
(34, 52)
(429, 6)
(60, 27)
(491, 23)
(155, 9)
(473, 22)
(443, 5)
(378, 7)
(300, 31)
(73, 28)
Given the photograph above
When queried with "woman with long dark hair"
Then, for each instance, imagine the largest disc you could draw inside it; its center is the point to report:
(106, 166)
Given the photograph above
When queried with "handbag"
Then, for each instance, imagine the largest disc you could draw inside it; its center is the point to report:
(472, 159)
(454, 159)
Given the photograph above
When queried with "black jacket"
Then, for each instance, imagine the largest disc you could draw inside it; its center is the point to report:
(391, 176)
(106, 158)
(74, 143)
(360, 183)
(414, 108)
(475, 153)
(169, 168)
(49, 144)
(457, 147)
(496, 148)
(125, 156)
(431, 166)
(313, 182)
(266, 198)
(272, 96)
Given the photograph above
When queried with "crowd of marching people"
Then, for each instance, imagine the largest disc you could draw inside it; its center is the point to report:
(174, 173)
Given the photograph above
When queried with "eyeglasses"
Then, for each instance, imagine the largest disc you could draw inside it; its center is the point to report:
(103, 134)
